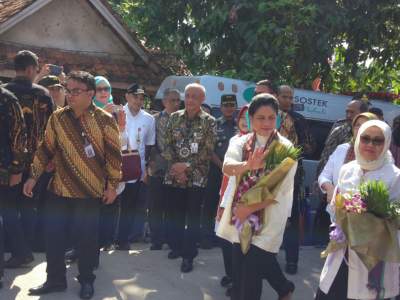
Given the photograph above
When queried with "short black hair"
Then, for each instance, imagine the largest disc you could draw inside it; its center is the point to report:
(83, 77)
(25, 59)
(263, 99)
(376, 111)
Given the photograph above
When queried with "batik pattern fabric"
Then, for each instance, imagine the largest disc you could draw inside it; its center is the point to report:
(339, 135)
(37, 107)
(86, 152)
(191, 141)
(158, 164)
(12, 137)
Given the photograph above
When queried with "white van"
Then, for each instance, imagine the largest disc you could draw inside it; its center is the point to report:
(215, 87)
(317, 106)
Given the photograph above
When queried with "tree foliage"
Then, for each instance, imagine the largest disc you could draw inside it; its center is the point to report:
(351, 44)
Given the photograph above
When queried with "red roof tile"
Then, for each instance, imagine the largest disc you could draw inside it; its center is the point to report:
(9, 8)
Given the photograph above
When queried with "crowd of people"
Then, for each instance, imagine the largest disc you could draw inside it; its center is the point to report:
(80, 174)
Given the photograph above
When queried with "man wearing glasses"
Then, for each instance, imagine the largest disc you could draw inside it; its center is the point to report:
(37, 107)
(83, 143)
(226, 128)
(156, 170)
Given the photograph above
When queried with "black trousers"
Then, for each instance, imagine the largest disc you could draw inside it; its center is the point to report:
(249, 270)
(158, 202)
(291, 238)
(38, 243)
(13, 229)
(185, 210)
(226, 248)
(321, 223)
(109, 214)
(130, 211)
(76, 220)
(210, 202)
(1, 242)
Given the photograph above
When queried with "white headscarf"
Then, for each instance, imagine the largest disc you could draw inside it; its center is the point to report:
(385, 156)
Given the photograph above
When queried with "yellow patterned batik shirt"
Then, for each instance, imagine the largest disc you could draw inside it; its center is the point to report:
(86, 152)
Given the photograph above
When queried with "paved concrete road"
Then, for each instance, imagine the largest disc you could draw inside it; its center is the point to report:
(142, 274)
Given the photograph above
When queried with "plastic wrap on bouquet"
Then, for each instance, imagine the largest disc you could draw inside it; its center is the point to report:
(264, 190)
(374, 239)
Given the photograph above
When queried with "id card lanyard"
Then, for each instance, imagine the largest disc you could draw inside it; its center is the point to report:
(87, 146)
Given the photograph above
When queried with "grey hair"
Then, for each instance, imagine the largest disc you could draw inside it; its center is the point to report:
(169, 91)
(195, 85)
(283, 87)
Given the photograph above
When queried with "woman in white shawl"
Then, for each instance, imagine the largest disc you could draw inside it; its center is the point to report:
(245, 154)
(344, 276)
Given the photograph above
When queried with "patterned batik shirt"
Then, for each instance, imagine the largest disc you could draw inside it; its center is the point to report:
(157, 163)
(340, 135)
(304, 138)
(86, 152)
(190, 141)
(287, 128)
(12, 137)
(225, 130)
(37, 107)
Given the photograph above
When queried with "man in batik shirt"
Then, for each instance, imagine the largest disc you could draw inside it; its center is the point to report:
(342, 133)
(12, 157)
(190, 139)
(37, 107)
(156, 171)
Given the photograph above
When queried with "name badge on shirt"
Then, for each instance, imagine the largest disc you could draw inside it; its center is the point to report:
(194, 148)
(89, 151)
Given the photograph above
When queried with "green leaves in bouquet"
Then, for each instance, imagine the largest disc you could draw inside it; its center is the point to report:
(278, 152)
(376, 195)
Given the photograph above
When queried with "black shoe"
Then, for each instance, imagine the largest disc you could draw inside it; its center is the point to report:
(124, 246)
(289, 288)
(225, 281)
(173, 255)
(155, 247)
(291, 268)
(187, 265)
(47, 288)
(109, 247)
(71, 256)
(87, 291)
(18, 262)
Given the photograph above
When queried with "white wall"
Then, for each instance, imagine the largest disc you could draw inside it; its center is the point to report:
(68, 25)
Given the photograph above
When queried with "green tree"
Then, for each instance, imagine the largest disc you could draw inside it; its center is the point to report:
(351, 44)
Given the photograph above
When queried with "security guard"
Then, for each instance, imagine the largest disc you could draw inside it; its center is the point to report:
(226, 128)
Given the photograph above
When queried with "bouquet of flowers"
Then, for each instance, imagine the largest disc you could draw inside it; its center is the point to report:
(255, 189)
(367, 222)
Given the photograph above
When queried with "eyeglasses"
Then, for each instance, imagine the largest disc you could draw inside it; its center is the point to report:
(74, 92)
(366, 139)
(103, 89)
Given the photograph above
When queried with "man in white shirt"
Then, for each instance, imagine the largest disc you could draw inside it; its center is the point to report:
(140, 130)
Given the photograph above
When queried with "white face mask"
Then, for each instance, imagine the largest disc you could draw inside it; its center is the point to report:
(384, 157)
